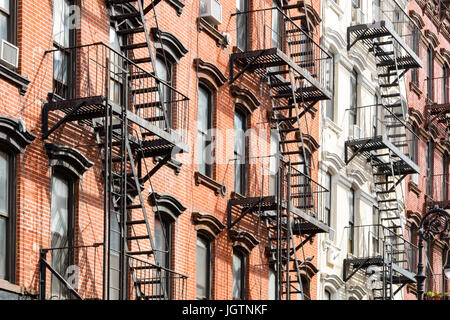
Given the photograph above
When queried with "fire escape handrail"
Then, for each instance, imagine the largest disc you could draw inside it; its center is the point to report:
(322, 49)
(128, 60)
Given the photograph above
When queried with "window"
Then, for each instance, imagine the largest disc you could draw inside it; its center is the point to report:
(376, 232)
(272, 284)
(7, 224)
(116, 93)
(377, 117)
(327, 295)
(351, 229)
(205, 123)
(242, 24)
(164, 71)
(203, 257)
(328, 197)
(445, 84)
(239, 275)
(63, 38)
(115, 256)
(273, 163)
(414, 150)
(430, 73)
(353, 97)
(61, 227)
(415, 46)
(329, 83)
(163, 246)
(304, 189)
(8, 21)
(240, 152)
(376, 10)
(444, 196)
(277, 26)
(429, 166)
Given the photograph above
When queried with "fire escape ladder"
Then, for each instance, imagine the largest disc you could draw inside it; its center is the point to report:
(148, 59)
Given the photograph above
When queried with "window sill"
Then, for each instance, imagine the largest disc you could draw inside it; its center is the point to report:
(20, 81)
(217, 187)
(8, 286)
(172, 163)
(221, 39)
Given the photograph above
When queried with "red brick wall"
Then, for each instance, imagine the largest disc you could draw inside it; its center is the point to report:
(34, 173)
(417, 100)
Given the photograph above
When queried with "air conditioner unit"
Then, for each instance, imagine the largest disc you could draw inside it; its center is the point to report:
(9, 54)
(358, 16)
(211, 10)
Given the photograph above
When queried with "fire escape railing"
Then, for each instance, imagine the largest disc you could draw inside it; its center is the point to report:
(101, 71)
(438, 104)
(437, 190)
(73, 273)
(293, 41)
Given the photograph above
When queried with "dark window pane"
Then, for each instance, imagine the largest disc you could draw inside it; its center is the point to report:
(205, 156)
(4, 182)
(238, 271)
(3, 247)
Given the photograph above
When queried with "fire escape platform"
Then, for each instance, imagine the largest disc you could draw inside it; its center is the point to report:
(400, 275)
(85, 110)
(367, 33)
(367, 146)
(306, 224)
(259, 61)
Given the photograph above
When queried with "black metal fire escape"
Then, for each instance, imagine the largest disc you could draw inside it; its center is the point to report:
(387, 151)
(291, 70)
(129, 128)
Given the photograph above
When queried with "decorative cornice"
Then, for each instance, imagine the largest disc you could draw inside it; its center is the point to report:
(166, 204)
(446, 54)
(413, 187)
(209, 73)
(68, 158)
(357, 176)
(414, 87)
(417, 18)
(313, 17)
(164, 40)
(432, 38)
(218, 188)
(245, 98)
(309, 270)
(332, 279)
(416, 116)
(221, 39)
(357, 291)
(414, 218)
(310, 142)
(208, 224)
(243, 239)
(334, 160)
(14, 135)
(335, 40)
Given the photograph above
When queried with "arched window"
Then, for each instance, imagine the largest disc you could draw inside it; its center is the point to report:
(164, 71)
(351, 221)
(306, 287)
(430, 57)
(13, 141)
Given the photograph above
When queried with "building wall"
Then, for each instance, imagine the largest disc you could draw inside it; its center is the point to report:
(34, 174)
(432, 28)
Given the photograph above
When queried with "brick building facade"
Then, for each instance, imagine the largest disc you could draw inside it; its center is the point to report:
(54, 181)
(428, 88)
